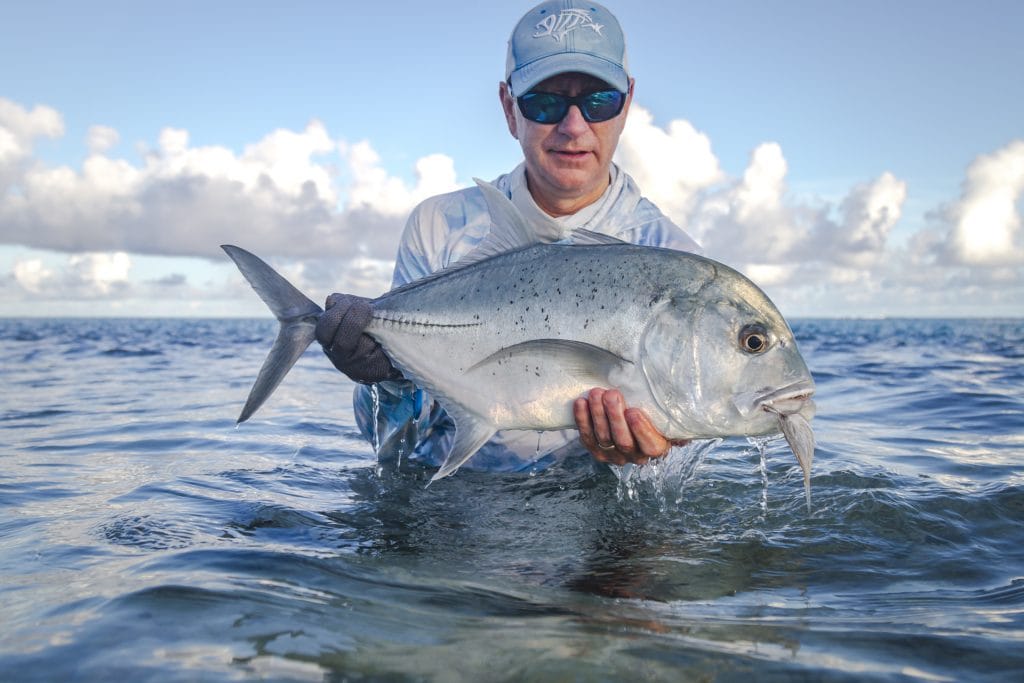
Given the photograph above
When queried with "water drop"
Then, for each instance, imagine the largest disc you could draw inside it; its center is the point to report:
(376, 418)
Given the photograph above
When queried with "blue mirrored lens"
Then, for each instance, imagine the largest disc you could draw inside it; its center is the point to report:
(545, 107)
(603, 105)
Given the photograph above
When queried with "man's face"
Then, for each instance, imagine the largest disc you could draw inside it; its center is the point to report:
(567, 163)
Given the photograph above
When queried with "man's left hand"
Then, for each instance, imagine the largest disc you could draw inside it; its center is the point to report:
(616, 434)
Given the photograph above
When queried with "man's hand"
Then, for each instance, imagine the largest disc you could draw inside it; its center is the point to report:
(340, 332)
(616, 434)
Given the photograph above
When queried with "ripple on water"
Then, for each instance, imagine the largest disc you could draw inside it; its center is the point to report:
(146, 532)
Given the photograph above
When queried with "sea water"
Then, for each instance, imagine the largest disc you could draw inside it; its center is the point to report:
(144, 537)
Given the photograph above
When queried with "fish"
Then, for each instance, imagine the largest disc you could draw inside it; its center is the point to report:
(509, 336)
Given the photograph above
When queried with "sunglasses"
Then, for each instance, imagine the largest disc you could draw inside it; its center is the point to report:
(549, 107)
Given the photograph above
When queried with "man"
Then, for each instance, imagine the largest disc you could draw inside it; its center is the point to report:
(565, 97)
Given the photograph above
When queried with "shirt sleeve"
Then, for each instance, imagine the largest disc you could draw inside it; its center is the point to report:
(665, 233)
(413, 261)
(397, 417)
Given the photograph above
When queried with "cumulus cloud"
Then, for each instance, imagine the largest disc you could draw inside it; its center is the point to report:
(751, 222)
(101, 138)
(838, 257)
(19, 129)
(672, 165)
(280, 195)
(101, 272)
(986, 228)
(747, 219)
(82, 276)
(374, 189)
(868, 215)
(32, 275)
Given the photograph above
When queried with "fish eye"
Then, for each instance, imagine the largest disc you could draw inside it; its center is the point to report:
(754, 338)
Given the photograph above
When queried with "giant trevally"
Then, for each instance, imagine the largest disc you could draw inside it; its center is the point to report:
(510, 335)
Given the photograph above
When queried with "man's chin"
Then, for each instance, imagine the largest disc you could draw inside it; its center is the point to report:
(575, 177)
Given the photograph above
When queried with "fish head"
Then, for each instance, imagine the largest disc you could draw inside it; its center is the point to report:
(722, 361)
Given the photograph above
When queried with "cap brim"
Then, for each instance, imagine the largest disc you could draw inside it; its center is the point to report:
(524, 79)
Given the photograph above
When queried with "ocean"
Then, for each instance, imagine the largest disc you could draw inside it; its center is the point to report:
(145, 537)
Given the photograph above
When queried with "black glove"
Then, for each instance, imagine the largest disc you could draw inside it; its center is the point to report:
(340, 332)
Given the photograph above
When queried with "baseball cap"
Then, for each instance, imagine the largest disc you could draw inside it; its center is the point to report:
(560, 36)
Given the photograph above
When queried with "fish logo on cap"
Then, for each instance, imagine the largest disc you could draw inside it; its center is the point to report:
(567, 21)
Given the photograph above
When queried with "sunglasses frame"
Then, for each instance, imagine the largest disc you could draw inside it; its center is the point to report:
(578, 101)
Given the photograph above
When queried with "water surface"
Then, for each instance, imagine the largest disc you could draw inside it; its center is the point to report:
(144, 536)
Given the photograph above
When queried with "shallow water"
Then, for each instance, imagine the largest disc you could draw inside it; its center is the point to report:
(144, 536)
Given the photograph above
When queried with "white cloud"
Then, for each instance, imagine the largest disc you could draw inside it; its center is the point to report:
(81, 276)
(279, 196)
(986, 221)
(19, 128)
(374, 189)
(817, 257)
(868, 213)
(672, 165)
(101, 138)
(31, 275)
(748, 220)
(101, 272)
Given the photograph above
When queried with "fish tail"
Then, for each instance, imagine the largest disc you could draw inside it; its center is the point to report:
(294, 311)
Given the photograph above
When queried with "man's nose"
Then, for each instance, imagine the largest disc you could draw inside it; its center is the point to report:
(573, 124)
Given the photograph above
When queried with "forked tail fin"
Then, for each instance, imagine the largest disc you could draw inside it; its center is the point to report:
(296, 313)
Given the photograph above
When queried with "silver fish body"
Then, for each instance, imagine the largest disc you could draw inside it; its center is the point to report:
(508, 340)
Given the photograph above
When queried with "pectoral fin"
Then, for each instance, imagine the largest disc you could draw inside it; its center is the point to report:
(591, 364)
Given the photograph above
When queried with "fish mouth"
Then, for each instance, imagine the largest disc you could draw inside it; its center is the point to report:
(794, 408)
(790, 399)
(795, 398)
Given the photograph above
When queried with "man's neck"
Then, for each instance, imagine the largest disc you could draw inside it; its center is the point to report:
(557, 206)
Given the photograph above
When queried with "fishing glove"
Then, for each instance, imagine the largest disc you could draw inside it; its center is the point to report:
(340, 332)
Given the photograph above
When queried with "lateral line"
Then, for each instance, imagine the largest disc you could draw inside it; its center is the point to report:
(418, 323)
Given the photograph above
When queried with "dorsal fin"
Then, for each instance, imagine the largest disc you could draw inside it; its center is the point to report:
(509, 232)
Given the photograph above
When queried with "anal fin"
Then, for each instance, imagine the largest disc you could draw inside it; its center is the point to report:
(470, 434)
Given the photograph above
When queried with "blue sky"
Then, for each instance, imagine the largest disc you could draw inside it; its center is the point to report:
(856, 159)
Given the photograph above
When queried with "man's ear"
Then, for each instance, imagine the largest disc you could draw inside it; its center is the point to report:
(508, 106)
(629, 94)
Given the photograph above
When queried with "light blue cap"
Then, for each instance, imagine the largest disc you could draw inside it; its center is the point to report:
(559, 36)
